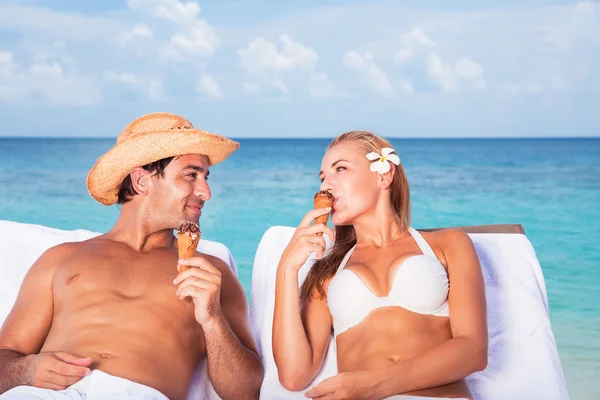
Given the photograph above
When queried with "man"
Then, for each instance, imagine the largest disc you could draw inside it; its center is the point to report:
(111, 317)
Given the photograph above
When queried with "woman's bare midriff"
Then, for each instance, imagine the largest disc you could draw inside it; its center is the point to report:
(390, 335)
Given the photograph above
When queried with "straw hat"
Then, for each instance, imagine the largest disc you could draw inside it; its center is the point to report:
(150, 138)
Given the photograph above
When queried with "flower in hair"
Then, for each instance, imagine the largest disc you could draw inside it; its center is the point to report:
(381, 162)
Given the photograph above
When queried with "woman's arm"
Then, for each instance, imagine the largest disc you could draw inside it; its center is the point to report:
(448, 362)
(300, 337)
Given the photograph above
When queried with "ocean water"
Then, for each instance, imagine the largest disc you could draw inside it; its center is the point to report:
(550, 186)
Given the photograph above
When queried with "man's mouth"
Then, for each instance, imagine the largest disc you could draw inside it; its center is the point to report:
(196, 208)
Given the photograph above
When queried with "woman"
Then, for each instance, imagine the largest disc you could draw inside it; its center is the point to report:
(407, 309)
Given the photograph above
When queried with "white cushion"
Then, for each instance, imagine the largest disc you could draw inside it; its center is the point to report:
(21, 245)
(523, 361)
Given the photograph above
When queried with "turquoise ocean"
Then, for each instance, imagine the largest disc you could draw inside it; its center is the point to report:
(550, 186)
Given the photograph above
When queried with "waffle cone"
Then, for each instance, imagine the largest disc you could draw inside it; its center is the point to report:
(186, 246)
(322, 201)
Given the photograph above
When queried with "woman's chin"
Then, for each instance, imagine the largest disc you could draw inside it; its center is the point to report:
(339, 219)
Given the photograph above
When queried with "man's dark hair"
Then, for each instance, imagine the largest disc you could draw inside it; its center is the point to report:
(126, 190)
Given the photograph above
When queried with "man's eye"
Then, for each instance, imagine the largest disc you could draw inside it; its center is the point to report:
(192, 175)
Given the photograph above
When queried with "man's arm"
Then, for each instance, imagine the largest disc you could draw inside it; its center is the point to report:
(26, 327)
(234, 366)
(13, 369)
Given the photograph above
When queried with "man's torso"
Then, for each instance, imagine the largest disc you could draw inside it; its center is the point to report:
(119, 307)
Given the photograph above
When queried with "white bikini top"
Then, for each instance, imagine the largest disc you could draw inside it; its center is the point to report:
(420, 284)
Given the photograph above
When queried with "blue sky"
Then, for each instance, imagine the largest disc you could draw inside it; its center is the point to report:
(259, 68)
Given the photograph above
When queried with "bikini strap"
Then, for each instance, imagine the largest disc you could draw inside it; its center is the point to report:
(345, 259)
(421, 242)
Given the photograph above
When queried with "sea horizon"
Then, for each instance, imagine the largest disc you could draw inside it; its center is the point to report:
(330, 138)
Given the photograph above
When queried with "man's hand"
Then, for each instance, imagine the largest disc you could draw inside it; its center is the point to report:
(56, 370)
(203, 284)
(361, 385)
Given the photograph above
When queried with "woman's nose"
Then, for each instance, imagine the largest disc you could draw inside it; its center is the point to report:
(326, 185)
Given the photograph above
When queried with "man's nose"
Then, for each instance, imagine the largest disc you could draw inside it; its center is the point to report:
(202, 190)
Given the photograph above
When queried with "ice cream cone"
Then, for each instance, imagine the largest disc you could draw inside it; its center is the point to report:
(188, 237)
(322, 199)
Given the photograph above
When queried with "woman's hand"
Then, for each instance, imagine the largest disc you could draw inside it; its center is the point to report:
(359, 385)
(305, 241)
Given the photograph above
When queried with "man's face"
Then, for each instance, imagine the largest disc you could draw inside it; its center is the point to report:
(180, 195)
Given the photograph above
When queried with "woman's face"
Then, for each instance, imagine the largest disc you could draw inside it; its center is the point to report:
(345, 173)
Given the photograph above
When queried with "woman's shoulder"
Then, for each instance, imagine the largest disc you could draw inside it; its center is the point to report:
(446, 236)
(447, 242)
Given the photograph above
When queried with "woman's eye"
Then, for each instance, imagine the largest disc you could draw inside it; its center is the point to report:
(338, 169)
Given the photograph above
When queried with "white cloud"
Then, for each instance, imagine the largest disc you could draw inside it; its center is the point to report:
(321, 86)
(152, 88)
(51, 84)
(533, 87)
(279, 85)
(403, 56)
(155, 90)
(554, 82)
(265, 63)
(262, 55)
(469, 70)
(53, 70)
(410, 43)
(448, 75)
(140, 31)
(574, 25)
(586, 7)
(43, 22)
(442, 72)
(406, 87)
(252, 87)
(172, 10)
(122, 77)
(199, 39)
(417, 36)
(376, 79)
(192, 37)
(7, 64)
(209, 86)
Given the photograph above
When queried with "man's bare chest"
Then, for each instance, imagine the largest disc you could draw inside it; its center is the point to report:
(126, 274)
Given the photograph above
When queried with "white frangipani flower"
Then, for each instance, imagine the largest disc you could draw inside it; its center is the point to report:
(380, 161)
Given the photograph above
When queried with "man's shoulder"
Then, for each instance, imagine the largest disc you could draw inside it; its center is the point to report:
(67, 248)
(60, 252)
(62, 249)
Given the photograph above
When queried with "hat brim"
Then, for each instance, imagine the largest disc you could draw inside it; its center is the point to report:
(106, 176)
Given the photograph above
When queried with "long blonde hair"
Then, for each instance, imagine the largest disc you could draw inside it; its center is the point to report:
(326, 267)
